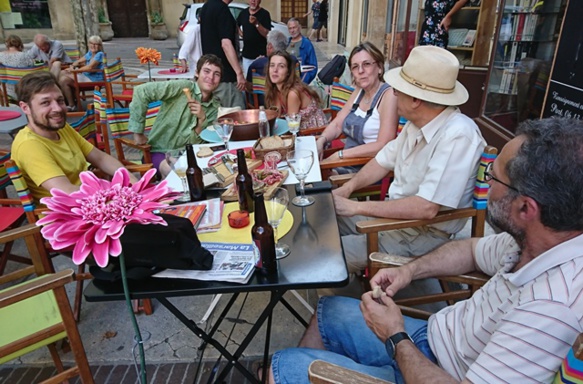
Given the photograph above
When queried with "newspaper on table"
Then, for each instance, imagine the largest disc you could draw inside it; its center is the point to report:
(233, 263)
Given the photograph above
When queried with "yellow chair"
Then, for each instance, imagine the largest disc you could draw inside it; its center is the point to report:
(10, 76)
(37, 313)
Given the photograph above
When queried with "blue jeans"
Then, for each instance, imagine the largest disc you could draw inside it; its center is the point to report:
(349, 343)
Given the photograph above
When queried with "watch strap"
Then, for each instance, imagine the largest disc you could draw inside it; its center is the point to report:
(391, 343)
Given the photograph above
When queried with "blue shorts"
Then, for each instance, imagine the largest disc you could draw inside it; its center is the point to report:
(349, 343)
(316, 24)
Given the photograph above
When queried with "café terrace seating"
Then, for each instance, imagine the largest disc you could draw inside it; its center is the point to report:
(12, 75)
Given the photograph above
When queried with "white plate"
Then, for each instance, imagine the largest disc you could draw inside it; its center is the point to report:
(210, 136)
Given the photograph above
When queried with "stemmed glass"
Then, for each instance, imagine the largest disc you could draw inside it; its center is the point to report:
(276, 207)
(300, 162)
(177, 161)
(293, 124)
(224, 128)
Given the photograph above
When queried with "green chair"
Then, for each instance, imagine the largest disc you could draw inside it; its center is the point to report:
(36, 313)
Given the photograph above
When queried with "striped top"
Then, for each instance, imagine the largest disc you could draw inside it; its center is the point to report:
(519, 326)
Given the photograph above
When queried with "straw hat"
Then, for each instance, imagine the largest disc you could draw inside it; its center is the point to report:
(429, 74)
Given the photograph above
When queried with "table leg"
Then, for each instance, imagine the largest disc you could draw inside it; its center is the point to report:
(293, 312)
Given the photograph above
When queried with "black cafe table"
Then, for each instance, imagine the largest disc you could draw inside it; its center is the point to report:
(316, 261)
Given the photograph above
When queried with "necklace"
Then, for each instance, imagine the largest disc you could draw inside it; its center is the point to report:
(367, 99)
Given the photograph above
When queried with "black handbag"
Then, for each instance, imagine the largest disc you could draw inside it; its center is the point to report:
(149, 249)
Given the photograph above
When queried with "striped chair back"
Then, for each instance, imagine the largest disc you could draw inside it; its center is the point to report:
(402, 122)
(85, 126)
(258, 83)
(118, 118)
(99, 107)
(20, 185)
(4, 178)
(113, 71)
(12, 75)
(480, 199)
(339, 95)
(73, 53)
(571, 370)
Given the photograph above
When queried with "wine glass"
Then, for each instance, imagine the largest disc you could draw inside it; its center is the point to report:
(176, 159)
(276, 207)
(224, 128)
(293, 124)
(300, 162)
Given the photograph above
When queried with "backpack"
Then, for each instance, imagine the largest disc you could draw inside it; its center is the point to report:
(148, 249)
(335, 68)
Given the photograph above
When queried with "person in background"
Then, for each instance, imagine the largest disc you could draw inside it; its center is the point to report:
(518, 327)
(322, 19)
(218, 32)
(14, 56)
(369, 119)
(276, 41)
(48, 151)
(179, 121)
(49, 51)
(92, 60)
(255, 23)
(435, 27)
(191, 49)
(286, 92)
(314, 11)
(302, 48)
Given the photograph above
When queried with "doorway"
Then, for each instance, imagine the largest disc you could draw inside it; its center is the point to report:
(128, 18)
(342, 22)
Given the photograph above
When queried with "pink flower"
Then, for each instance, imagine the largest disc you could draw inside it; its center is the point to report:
(93, 218)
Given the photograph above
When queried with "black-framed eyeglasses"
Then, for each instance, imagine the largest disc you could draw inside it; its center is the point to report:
(488, 176)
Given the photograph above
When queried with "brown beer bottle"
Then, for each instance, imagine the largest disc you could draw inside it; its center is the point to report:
(194, 176)
(263, 239)
(244, 183)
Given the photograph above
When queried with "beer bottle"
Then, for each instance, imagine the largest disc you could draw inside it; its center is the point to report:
(194, 176)
(263, 239)
(244, 183)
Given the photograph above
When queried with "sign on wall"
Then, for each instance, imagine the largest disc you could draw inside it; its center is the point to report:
(565, 93)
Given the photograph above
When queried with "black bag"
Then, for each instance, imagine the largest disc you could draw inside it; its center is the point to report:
(149, 249)
(335, 68)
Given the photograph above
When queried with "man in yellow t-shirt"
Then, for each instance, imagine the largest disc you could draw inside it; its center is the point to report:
(48, 151)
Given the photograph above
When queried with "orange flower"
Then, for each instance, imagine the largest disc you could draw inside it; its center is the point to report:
(148, 55)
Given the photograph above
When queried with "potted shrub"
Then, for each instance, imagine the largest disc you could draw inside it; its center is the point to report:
(105, 30)
(158, 30)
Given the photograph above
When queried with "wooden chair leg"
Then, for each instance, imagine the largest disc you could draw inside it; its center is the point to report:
(57, 359)
(78, 293)
(143, 305)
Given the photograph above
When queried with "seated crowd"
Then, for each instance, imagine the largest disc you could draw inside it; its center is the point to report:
(517, 328)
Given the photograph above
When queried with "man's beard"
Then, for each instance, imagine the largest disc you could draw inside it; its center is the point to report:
(46, 124)
(499, 218)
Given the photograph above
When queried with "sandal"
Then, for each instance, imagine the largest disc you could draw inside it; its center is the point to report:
(257, 369)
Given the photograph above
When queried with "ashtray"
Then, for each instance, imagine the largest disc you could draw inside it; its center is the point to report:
(238, 219)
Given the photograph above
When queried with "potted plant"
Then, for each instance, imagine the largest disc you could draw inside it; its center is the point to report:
(105, 30)
(158, 30)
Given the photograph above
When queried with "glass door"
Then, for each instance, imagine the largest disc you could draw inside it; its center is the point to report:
(525, 45)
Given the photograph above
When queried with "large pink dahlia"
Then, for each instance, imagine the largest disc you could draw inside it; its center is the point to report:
(93, 218)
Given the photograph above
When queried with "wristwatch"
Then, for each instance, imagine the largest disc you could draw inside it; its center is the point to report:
(341, 154)
(391, 343)
(257, 25)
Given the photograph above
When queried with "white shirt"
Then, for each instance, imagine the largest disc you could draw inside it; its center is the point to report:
(191, 49)
(372, 126)
(441, 167)
(519, 326)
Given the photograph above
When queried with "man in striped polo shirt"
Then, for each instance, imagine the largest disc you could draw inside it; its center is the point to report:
(515, 329)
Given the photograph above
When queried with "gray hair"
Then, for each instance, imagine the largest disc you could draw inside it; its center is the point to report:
(293, 19)
(41, 39)
(277, 40)
(549, 168)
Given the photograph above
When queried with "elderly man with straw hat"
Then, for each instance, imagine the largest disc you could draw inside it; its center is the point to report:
(434, 159)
